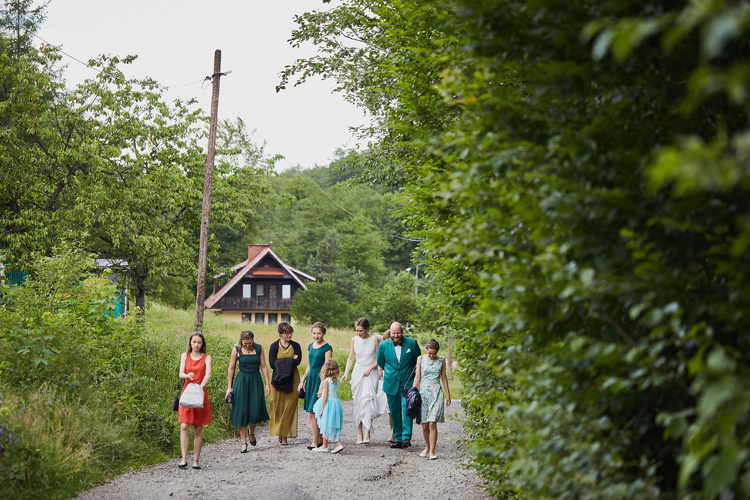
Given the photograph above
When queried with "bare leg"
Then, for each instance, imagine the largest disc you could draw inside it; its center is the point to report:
(316, 430)
(184, 441)
(359, 434)
(433, 437)
(252, 432)
(390, 424)
(325, 443)
(367, 435)
(197, 444)
(243, 437)
(426, 436)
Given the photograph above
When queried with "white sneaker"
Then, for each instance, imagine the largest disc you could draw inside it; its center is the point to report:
(338, 448)
(433, 457)
(324, 450)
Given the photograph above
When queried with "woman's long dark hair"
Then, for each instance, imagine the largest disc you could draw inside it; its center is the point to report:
(190, 340)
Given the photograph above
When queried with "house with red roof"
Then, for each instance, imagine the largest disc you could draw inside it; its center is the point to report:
(259, 290)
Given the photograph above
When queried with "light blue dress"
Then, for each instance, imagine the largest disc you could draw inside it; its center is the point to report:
(433, 401)
(333, 415)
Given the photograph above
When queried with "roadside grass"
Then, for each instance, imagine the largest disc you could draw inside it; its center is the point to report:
(58, 436)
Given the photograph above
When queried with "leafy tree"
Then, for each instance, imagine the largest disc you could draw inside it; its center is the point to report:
(394, 301)
(578, 177)
(321, 302)
(115, 169)
(325, 266)
(241, 164)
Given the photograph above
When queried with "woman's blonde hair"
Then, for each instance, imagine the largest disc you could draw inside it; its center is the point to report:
(330, 370)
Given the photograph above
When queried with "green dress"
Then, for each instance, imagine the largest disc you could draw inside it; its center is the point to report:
(249, 399)
(315, 359)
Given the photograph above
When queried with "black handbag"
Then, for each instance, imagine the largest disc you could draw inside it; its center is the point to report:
(230, 397)
(302, 393)
(176, 400)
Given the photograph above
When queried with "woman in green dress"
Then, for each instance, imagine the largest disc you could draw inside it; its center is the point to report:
(249, 407)
(319, 352)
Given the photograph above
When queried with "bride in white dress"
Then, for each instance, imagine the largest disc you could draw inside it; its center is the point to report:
(364, 381)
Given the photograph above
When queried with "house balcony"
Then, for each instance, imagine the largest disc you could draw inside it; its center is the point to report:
(256, 304)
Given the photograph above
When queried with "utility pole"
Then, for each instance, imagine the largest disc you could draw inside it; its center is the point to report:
(200, 296)
(416, 283)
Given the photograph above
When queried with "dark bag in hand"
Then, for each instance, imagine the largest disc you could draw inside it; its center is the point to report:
(302, 393)
(176, 403)
(230, 397)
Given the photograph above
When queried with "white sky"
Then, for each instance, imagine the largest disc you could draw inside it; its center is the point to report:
(175, 42)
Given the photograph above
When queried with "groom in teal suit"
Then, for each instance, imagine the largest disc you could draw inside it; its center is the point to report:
(397, 357)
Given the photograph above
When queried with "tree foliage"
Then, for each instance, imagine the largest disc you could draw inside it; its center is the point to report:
(19, 20)
(321, 302)
(114, 168)
(579, 175)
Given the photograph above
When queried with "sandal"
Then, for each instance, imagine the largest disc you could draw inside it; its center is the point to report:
(253, 442)
(244, 448)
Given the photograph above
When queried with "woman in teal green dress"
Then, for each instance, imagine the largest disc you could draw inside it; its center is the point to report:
(318, 353)
(249, 407)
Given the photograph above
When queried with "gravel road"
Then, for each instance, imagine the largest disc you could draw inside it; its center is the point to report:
(271, 471)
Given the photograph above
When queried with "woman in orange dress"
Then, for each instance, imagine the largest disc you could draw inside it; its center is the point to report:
(195, 368)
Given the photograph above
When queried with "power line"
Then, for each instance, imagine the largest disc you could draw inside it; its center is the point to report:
(354, 215)
(59, 49)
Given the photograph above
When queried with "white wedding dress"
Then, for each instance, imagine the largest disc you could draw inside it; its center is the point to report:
(367, 405)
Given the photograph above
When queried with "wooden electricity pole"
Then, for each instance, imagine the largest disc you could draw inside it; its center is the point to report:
(200, 296)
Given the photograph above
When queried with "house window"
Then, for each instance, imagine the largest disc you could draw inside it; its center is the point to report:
(273, 318)
(246, 291)
(273, 291)
(286, 291)
(286, 317)
(247, 317)
(260, 290)
(260, 318)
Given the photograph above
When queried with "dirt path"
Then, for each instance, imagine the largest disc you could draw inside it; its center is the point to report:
(272, 471)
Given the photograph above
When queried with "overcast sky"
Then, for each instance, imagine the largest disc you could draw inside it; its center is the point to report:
(175, 42)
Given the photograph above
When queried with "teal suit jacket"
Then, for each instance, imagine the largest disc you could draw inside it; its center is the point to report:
(397, 375)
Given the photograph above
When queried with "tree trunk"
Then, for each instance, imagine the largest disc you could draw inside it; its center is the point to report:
(139, 290)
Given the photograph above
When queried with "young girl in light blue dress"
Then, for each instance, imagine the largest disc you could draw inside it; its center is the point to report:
(328, 410)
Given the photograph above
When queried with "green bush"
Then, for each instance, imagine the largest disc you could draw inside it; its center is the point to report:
(90, 394)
